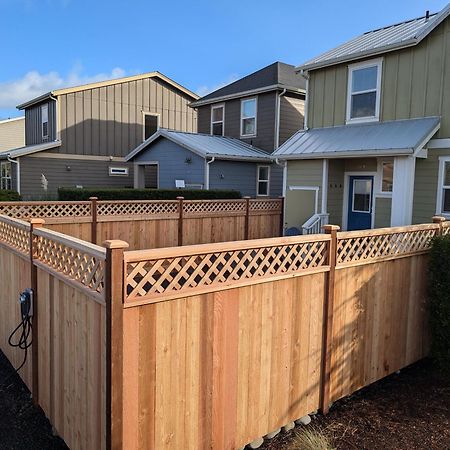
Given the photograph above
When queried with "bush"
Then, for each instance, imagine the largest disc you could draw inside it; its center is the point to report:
(439, 295)
(310, 438)
(9, 196)
(67, 194)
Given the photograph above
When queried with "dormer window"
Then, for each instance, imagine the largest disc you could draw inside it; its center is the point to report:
(364, 91)
(217, 120)
(248, 117)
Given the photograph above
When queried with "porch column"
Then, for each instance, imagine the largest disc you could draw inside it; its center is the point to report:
(139, 176)
(403, 190)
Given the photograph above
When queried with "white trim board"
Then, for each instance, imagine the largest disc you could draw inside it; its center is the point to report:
(439, 143)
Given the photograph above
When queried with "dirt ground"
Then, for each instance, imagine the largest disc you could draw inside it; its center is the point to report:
(408, 411)
(23, 426)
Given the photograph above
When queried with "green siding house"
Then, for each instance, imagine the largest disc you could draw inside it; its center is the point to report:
(375, 148)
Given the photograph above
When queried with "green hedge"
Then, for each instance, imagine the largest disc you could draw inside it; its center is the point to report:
(439, 293)
(144, 194)
(9, 196)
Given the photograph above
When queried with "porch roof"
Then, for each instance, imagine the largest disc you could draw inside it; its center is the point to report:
(398, 137)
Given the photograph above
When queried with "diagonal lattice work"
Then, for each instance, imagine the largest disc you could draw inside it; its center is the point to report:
(15, 234)
(167, 208)
(205, 207)
(269, 205)
(353, 248)
(194, 271)
(446, 228)
(42, 210)
(71, 258)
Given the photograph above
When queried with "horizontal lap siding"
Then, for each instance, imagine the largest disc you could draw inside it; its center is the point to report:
(12, 134)
(72, 363)
(380, 322)
(221, 369)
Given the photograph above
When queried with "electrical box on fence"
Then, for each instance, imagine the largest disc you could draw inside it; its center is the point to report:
(26, 303)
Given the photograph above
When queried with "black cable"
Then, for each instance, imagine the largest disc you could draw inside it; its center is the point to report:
(26, 327)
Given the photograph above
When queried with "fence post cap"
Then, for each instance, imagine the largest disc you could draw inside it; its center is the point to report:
(246, 196)
(37, 222)
(438, 219)
(115, 243)
(93, 198)
(180, 198)
(330, 228)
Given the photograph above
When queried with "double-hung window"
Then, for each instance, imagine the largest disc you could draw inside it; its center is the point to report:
(387, 177)
(217, 120)
(44, 122)
(262, 184)
(5, 175)
(248, 117)
(364, 91)
(443, 197)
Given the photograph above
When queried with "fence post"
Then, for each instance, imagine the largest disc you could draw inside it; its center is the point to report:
(114, 292)
(282, 216)
(439, 220)
(247, 218)
(328, 320)
(34, 223)
(94, 219)
(180, 220)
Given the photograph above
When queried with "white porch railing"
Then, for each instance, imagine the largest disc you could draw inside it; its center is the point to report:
(315, 223)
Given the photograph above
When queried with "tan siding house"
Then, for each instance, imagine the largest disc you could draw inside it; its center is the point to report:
(79, 136)
(378, 123)
(12, 133)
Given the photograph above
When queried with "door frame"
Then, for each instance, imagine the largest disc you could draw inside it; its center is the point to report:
(347, 176)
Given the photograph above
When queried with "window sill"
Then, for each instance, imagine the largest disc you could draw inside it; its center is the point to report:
(362, 120)
(246, 136)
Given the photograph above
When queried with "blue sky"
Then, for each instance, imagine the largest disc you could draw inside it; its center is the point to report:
(48, 44)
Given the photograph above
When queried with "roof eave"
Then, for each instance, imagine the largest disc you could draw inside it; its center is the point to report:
(39, 99)
(349, 154)
(240, 158)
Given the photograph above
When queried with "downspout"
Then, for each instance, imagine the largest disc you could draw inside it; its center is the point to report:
(305, 75)
(18, 171)
(277, 122)
(207, 172)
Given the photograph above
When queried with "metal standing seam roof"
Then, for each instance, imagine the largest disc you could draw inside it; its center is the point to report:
(398, 137)
(29, 149)
(393, 37)
(206, 145)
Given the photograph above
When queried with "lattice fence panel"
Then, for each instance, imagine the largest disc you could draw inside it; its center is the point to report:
(138, 208)
(265, 205)
(44, 210)
(16, 236)
(446, 228)
(160, 277)
(366, 248)
(205, 207)
(75, 263)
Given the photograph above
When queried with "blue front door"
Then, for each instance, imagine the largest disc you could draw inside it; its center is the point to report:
(360, 203)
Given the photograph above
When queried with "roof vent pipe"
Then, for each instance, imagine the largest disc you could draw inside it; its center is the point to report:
(427, 15)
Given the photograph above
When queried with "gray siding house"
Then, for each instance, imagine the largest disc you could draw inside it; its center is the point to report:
(80, 136)
(375, 151)
(204, 161)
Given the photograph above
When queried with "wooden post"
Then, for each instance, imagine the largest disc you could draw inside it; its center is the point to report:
(94, 219)
(439, 220)
(282, 216)
(180, 220)
(114, 292)
(328, 320)
(34, 223)
(247, 218)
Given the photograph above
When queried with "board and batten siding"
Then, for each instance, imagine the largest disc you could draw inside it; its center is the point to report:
(108, 120)
(292, 115)
(33, 123)
(12, 134)
(415, 83)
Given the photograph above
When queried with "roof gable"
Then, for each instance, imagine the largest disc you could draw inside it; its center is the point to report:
(381, 40)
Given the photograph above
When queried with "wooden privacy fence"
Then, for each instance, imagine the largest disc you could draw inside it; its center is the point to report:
(211, 346)
(155, 223)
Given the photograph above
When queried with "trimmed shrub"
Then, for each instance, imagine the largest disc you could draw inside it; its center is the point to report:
(67, 194)
(439, 295)
(9, 196)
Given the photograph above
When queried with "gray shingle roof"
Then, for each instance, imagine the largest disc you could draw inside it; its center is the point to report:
(206, 145)
(397, 137)
(393, 37)
(277, 74)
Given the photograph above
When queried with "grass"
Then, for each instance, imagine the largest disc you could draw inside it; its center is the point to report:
(310, 438)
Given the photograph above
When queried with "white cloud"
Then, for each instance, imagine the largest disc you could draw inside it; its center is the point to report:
(204, 90)
(33, 84)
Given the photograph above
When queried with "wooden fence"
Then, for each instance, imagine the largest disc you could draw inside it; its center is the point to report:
(154, 223)
(212, 346)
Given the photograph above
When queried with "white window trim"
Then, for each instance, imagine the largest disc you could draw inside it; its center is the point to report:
(148, 113)
(351, 68)
(250, 117)
(6, 178)
(440, 188)
(258, 180)
(221, 105)
(125, 171)
(353, 199)
(379, 183)
(44, 136)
